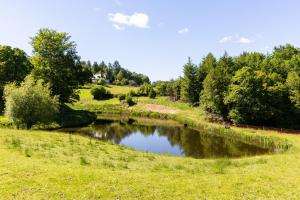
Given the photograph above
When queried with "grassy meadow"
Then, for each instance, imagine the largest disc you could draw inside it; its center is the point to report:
(50, 165)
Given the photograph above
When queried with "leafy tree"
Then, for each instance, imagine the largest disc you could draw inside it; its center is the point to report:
(30, 104)
(189, 84)
(161, 88)
(14, 66)
(56, 61)
(285, 52)
(293, 83)
(144, 89)
(85, 75)
(246, 97)
(174, 89)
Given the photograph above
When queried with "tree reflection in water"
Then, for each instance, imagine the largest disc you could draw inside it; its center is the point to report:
(184, 141)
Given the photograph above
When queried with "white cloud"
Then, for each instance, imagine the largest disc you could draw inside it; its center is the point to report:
(139, 20)
(244, 40)
(226, 39)
(238, 39)
(184, 30)
(120, 28)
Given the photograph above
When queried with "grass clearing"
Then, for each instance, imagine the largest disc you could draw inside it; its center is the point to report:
(40, 164)
(49, 165)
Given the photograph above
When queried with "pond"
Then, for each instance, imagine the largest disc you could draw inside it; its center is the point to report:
(173, 140)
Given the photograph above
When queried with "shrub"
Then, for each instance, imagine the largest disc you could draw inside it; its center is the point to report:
(129, 100)
(133, 93)
(100, 93)
(122, 97)
(30, 104)
(101, 81)
(152, 94)
(144, 89)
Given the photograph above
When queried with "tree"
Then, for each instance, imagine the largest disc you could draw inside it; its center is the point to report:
(95, 68)
(246, 97)
(14, 65)
(30, 104)
(208, 63)
(56, 61)
(293, 83)
(144, 89)
(216, 84)
(189, 84)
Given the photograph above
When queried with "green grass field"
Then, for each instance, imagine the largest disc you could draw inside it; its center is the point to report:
(49, 165)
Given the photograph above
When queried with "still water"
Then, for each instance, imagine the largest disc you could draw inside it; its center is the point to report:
(173, 140)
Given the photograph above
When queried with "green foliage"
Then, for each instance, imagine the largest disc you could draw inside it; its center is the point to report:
(208, 63)
(246, 97)
(293, 83)
(152, 94)
(144, 89)
(101, 81)
(56, 61)
(115, 74)
(29, 104)
(129, 100)
(189, 83)
(121, 97)
(100, 93)
(214, 89)
(14, 66)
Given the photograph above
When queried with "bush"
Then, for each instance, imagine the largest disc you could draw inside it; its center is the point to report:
(29, 104)
(133, 93)
(152, 94)
(101, 81)
(144, 90)
(122, 97)
(100, 93)
(129, 100)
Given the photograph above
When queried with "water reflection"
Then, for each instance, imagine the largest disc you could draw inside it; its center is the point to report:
(172, 140)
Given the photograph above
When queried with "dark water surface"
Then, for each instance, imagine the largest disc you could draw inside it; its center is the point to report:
(173, 140)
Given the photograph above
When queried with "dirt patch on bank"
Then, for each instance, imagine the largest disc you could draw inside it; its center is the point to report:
(160, 109)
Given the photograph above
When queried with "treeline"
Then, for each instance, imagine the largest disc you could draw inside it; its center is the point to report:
(114, 74)
(252, 88)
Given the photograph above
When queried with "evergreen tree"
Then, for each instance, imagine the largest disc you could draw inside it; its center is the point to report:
(216, 84)
(189, 84)
(208, 63)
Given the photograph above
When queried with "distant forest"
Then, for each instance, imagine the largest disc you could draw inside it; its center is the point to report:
(113, 74)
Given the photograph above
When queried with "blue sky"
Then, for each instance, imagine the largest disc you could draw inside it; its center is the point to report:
(155, 37)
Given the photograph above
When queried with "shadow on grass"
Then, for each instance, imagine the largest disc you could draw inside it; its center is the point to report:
(68, 117)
